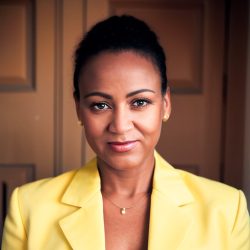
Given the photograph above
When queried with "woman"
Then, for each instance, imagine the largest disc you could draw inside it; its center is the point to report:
(128, 197)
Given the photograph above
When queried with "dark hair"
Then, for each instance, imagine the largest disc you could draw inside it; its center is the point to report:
(116, 34)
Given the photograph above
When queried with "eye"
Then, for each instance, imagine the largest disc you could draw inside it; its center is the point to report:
(100, 106)
(141, 103)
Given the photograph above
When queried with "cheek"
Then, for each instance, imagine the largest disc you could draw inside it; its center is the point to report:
(94, 126)
(93, 134)
(151, 123)
(92, 129)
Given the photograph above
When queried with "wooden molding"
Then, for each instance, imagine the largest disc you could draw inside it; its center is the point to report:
(184, 61)
(17, 61)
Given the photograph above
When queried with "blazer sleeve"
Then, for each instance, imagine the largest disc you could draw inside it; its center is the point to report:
(14, 235)
(240, 239)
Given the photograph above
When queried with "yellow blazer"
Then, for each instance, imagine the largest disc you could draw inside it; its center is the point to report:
(187, 212)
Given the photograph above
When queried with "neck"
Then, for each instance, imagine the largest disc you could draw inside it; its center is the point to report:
(128, 182)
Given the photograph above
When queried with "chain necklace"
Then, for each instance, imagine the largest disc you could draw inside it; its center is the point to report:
(123, 210)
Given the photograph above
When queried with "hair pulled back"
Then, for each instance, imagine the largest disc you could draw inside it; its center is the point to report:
(117, 34)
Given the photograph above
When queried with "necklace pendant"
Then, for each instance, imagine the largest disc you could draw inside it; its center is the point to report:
(123, 210)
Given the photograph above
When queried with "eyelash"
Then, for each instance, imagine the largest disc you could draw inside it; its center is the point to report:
(95, 105)
(144, 102)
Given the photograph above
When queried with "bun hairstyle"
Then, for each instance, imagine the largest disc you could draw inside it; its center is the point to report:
(117, 34)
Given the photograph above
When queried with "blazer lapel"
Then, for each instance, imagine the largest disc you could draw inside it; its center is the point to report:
(84, 228)
(170, 202)
(170, 217)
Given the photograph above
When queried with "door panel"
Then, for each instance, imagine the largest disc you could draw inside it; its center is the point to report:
(26, 93)
(39, 136)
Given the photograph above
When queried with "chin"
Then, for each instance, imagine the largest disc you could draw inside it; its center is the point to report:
(123, 161)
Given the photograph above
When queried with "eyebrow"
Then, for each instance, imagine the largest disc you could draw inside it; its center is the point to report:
(107, 96)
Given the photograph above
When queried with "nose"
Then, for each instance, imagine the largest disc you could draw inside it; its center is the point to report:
(121, 122)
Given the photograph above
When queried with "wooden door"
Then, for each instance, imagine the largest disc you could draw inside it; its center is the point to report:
(26, 93)
(39, 135)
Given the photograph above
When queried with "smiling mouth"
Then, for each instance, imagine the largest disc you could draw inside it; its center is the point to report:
(121, 147)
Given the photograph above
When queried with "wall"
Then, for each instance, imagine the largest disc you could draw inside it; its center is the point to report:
(246, 179)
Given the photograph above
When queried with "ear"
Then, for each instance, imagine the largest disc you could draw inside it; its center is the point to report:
(77, 105)
(166, 105)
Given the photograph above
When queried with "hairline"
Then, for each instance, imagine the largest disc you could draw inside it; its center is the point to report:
(140, 52)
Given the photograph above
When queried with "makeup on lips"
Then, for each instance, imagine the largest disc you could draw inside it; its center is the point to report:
(121, 147)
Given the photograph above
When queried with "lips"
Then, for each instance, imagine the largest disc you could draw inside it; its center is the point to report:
(121, 147)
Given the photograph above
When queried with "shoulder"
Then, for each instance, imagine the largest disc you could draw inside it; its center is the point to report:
(218, 212)
(222, 206)
(52, 190)
(208, 196)
(33, 196)
(215, 198)
(34, 199)
(203, 188)
(211, 204)
(48, 186)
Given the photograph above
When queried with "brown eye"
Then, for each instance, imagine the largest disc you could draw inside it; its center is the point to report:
(141, 103)
(100, 106)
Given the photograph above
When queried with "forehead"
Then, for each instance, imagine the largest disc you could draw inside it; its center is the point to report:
(126, 69)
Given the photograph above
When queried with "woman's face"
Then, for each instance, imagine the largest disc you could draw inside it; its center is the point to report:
(121, 107)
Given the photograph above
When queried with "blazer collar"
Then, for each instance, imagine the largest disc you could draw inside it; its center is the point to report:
(169, 183)
(170, 211)
(84, 185)
(84, 228)
(168, 214)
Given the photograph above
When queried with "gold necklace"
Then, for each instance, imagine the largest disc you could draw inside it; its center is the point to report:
(123, 210)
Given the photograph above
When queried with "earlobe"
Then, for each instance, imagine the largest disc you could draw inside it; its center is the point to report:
(165, 117)
(77, 106)
(167, 105)
(79, 122)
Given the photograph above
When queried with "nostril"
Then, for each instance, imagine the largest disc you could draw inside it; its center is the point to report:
(120, 125)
